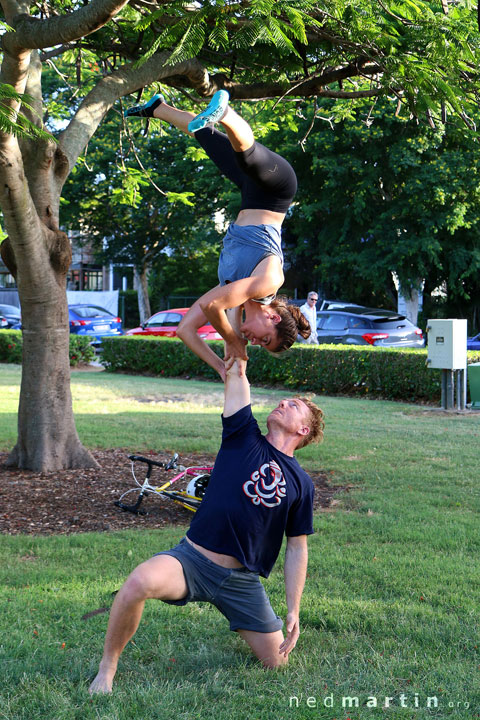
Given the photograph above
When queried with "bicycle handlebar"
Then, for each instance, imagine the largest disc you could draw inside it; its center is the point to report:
(170, 465)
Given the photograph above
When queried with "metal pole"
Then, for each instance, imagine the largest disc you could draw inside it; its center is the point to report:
(450, 390)
(444, 389)
(463, 388)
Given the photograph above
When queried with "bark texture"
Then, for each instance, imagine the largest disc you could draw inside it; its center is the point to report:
(141, 286)
(411, 298)
(47, 437)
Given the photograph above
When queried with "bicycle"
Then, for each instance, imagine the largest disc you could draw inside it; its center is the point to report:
(189, 498)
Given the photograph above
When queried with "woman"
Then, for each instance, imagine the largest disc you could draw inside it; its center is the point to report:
(251, 262)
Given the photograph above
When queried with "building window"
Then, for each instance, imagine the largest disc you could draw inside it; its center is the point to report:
(93, 280)
(85, 279)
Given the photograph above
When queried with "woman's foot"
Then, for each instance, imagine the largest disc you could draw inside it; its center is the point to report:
(146, 109)
(213, 113)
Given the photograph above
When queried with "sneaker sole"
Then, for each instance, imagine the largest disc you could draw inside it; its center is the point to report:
(213, 113)
(149, 103)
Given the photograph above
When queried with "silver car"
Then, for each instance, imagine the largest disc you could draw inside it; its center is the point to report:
(356, 325)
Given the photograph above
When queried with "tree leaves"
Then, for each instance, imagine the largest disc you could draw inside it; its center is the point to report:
(15, 123)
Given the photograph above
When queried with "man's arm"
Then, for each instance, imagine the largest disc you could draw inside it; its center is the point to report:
(295, 572)
(237, 388)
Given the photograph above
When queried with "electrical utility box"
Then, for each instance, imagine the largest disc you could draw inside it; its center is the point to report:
(447, 344)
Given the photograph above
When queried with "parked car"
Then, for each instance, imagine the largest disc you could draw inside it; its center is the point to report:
(165, 323)
(337, 304)
(3, 322)
(11, 313)
(94, 322)
(473, 343)
(355, 325)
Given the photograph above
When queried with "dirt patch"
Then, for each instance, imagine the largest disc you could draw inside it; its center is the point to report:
(75, 501)
(212, 399)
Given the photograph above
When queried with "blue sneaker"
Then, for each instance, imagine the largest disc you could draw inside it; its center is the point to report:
(145, 110)
(213, 113)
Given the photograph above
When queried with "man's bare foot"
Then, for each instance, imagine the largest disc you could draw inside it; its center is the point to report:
(102, 685)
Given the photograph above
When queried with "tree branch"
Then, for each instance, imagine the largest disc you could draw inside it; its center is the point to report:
(109, 89)
(34, 89)
(20, 216)
(31, 34)
(55, 52)
(309, 87)
(350, 95)
(11, 8)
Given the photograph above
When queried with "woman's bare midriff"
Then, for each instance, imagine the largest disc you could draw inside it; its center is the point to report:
(226, 561)
(259, 217)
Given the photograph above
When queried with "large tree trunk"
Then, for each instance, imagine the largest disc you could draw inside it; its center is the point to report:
(47, 438)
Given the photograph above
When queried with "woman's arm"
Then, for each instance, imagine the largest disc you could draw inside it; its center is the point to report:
(212, 306)
(234, 294)
(187, 332)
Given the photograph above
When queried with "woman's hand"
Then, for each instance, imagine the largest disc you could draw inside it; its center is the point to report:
(235, 348)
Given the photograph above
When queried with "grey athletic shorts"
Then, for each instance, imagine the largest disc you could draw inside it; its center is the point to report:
(237, 593)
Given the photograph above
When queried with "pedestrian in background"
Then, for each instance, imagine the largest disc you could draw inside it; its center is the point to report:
(309, 311)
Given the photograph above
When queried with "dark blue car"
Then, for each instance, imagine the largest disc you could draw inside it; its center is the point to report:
(94, 322)
(12, 315)
(473, 343)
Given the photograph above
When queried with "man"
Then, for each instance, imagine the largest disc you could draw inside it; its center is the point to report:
(257, 493)
(309, 310)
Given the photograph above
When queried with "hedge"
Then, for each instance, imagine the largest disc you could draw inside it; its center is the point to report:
(326, 369)
(11, 348)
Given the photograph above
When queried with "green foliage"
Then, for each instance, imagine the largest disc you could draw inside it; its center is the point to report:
(80, 350)
(329, 369)
(141, 216)
(11, 345)
(379, 193)
(16, 123)
(412, 50)
(151, 355)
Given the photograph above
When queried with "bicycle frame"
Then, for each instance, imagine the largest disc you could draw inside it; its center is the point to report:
(191, 502)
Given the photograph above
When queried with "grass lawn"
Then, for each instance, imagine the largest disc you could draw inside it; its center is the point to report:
(391, 603)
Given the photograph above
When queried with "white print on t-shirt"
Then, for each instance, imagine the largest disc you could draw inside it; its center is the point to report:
(266, 485)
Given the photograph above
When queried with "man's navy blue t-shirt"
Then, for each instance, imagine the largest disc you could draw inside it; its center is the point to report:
(256, 494)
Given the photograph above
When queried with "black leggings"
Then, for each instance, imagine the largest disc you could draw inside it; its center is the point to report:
(266, 180)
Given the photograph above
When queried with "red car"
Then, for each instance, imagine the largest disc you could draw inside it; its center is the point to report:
(165, 323)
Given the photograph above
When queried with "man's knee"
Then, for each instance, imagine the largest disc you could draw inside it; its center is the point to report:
(265, 647)
(139, 584)
(160, 577)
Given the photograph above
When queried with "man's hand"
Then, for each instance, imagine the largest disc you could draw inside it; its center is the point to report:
(235, 366)
(293, 632)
